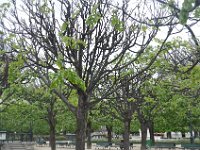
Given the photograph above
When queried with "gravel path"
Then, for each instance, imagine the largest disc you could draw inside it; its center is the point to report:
(136, 147)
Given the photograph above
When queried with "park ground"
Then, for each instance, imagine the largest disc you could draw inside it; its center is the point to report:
(135, 147)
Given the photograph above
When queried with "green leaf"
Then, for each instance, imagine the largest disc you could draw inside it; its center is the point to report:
(69, 42)
(184, 13)
(73, 78)
(14, 69)
(2, 52)
(59, 61)
(183, 17)
(94, 17)
(144, 28)
(64, 26)
(131, 99)
(197, 12)
(5, 5)
(81, 43)
(149, 100)
(57, 79)
(73, 98)
(69, 75)
(72, 43)
(117, 23)
(15, 46)
(44, 8)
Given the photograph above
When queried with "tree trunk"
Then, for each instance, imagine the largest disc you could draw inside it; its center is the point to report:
(126, 134)
(151, 131)
(191, 134)
(31, 132)
(52, 138)
(169, 135)
(183, 134)
(109, 130)
(89, 131)
(51, 122)
(195, 134)
(81, 121)
(144, 136)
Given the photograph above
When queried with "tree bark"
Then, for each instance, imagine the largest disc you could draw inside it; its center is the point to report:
(81, 121)
(144, 136)
(191, 134)
(151, 131)
(52, 138)
(126, 134)
(183, 134)
(169, 135)
(89, 131)
(195, 134)
(52, 125)
(109, 130)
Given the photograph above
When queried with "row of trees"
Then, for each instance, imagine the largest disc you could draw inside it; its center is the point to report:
(88, 53)
(174, 115)
(164, 112)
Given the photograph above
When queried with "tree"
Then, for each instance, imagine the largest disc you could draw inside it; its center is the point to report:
(182, 14)
(12, 77)
(187, 7)
(50, 116)
(44, 100)
(127, 100)
(22, 117)
(180, 59)
(106, 116)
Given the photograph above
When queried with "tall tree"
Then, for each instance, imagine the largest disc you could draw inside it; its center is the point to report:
(178, 80)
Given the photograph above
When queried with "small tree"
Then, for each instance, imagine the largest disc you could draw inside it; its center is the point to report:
(48, 103)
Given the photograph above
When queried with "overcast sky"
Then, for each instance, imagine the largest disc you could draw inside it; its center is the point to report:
(183, 35)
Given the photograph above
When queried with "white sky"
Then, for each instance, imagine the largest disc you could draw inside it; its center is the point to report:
(183, 34)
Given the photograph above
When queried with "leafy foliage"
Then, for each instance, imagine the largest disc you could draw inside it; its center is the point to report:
(94, 17)
(117, 23)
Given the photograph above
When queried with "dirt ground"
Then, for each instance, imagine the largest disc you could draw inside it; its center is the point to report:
(136, 147)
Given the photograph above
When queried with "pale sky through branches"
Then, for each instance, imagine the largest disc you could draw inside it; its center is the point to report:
(163, 31)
